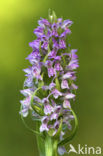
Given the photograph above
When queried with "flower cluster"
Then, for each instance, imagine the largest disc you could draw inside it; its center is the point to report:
(49, 87)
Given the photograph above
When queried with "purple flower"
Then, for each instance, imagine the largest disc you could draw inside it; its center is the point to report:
(25, 106)
(52, 54)
(67, 23)
(49, 82)
(53, 116)
(45, 100)
(45, 45)
(35, 44)
(67, 31)
(53, 103)
(59, 22)
(57, 58)
(64, 84)
(45, 87)
(26, 92)
(44, 127)
(73, 86)
(72, 54)
(69, 96)
(66, 104)
(56, 112)
(36, 72)
(67, 75)
(39, 31)
(56, 93)
(43, 22)
(51, 86)
(56, 125)
(54, 33)
(55, 44)
(58, 67)
(51, 71)
(48, 109)
(37, 99)
(62, 44)
(34, 57)
(57, 109)
(73, 64)
(48, 64)
(28, 71)
(49, 33)
(62, 150)
(29, 81)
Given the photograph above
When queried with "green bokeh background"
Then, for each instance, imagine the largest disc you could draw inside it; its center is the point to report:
(18, 18)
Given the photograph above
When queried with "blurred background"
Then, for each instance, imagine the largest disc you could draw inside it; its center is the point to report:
(18, 18)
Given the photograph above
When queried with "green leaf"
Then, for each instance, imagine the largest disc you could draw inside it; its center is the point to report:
(57, 84)
(69, 138)
(54, 17)
(37, 109)
(48, 146)
(45, 58)
(40, 50)
(30, 129)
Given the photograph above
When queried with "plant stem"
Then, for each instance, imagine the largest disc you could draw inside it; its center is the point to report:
(55, 148)
(50, 146)
(40, 141)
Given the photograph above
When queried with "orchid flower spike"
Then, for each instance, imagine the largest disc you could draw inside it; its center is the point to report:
(49, 87)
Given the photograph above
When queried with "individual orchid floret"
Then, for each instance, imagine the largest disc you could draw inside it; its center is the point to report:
(64, 84)
(26, 102)
(56, 93)
(66, 104)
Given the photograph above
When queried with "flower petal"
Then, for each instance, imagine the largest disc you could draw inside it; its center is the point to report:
(64, 84)
(69, 96)
(66, 104)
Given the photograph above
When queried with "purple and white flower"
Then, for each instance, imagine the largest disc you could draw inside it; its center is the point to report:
(64, 84)
(56, 93)
(49, 82)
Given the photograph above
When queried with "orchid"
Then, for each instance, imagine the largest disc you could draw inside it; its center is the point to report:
(49, 87)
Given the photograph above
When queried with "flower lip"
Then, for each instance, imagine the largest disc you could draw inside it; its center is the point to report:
(56, 93)
(35, 44)
(67, 75)
(48, 109)
(66, 104)
(70, 96)
(27, 92)
(64, 84)
(43, 22)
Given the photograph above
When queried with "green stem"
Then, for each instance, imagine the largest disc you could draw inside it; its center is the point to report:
(47, 146)
(40, 141)
(55, 148)
(50, 146)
